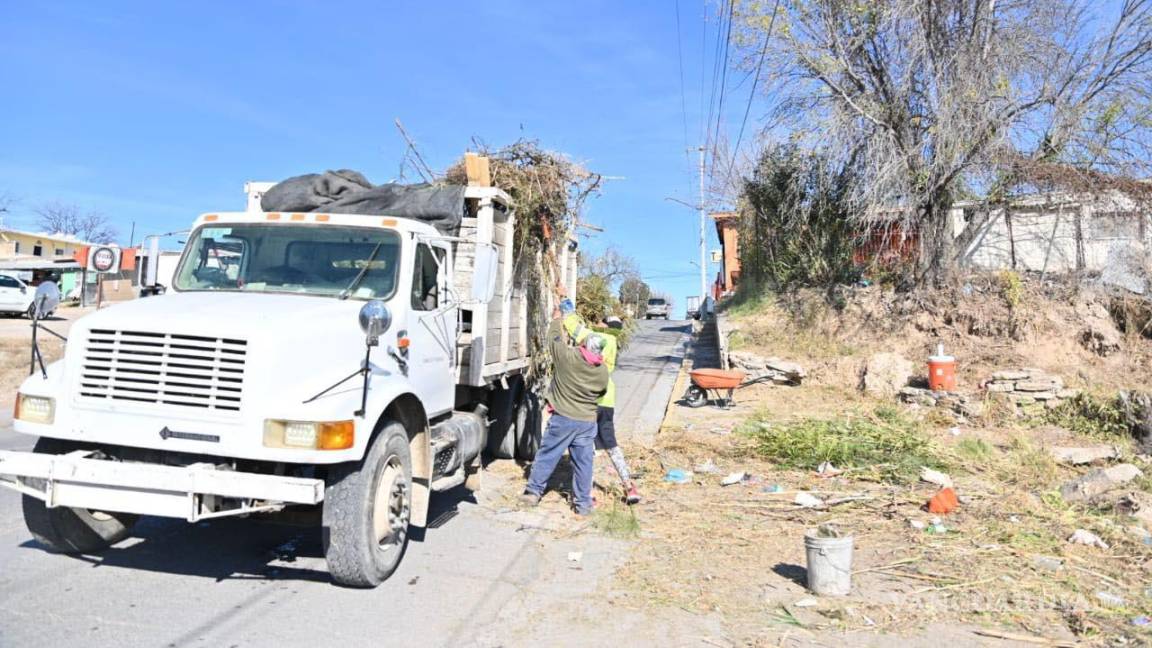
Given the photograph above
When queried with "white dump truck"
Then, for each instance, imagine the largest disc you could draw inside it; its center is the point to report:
(344, 364)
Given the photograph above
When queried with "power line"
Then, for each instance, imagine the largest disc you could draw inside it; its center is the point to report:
(723, 87)
(706, 126)
(755, 82)
(680, 60)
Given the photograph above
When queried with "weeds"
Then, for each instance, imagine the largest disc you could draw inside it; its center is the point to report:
(1090, 415)
(885, 446)
(617, 522)
(975, 449)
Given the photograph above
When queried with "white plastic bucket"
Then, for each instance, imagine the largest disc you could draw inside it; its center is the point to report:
(829, 564)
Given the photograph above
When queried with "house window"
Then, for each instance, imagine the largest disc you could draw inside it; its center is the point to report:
(38, 250)
(59, 252)
(17, 249)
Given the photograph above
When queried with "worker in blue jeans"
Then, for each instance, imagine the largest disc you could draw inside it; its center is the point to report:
(579, 380)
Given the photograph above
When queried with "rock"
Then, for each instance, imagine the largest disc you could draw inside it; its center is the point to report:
(1023, 399)
(1011, 375)
(1138, 415)
(1098, 482)
(1039, 385)
(1085, 537)
(1043, 396)
(973, 409)
(886, 374)
(745, 360)
(1137, 504)
(789, 369)
(1048, 563)
(1084, 455)
(1068, 393)
(1100, 336)
(935, 477)
(1000, 387)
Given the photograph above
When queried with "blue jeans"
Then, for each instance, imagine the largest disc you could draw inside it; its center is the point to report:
(577, 438)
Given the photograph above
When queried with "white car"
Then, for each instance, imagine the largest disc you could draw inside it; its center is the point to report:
(17, 296)
(657, 307)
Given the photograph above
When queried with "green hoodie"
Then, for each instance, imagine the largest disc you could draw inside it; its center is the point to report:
(576, 385)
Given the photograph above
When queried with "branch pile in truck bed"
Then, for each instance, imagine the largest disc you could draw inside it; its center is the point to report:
(549, 190)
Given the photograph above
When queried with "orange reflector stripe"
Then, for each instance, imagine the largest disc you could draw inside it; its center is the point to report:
(403, 342)
(297, 217)
(338, 435)
(211, 217)
(388, 222)
(273, 216)
(322, 218)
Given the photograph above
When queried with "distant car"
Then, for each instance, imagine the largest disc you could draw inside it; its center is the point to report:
(657, 307)
(16, 296)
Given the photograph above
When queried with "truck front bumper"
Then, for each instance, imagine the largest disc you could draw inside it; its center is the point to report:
(192, 492)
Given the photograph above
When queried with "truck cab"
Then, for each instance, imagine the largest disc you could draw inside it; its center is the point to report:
(326, 362)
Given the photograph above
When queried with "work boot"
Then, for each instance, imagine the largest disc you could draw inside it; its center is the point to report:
(529, 498)
(633, 495)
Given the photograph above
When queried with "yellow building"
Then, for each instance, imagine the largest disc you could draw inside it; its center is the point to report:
(15, 244)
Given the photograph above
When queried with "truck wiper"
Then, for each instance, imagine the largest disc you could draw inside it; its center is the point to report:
(363, 271)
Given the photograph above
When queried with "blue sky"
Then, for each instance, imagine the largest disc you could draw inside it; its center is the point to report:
(155, 112)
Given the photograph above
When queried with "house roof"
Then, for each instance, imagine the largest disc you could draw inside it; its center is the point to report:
(58, 236)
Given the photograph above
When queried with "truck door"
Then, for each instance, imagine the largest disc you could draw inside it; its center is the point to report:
(432, 329)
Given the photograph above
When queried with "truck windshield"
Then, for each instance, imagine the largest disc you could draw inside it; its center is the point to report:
(655, 302)
(307, 259)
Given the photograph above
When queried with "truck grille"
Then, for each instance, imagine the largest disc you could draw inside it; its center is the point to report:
(165, 369)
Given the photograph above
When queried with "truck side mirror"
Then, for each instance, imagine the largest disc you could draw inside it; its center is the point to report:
(375, 318)
(484, 269)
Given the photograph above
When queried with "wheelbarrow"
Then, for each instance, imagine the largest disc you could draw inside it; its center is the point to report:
(709, 385)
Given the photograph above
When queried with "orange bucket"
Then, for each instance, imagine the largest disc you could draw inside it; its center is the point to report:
(941, 371)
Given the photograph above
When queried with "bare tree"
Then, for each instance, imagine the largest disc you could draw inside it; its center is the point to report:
(64, 218)
(612, 266)
(934, 98)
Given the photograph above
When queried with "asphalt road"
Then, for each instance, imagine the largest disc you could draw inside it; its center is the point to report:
(479, 577)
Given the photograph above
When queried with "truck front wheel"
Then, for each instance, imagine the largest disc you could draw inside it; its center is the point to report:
(367, 508)
(71, 530)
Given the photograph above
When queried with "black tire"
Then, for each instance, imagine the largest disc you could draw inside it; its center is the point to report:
(360, 552)
(695, 397)
(71, 530)
(502, 408)
(529, 424)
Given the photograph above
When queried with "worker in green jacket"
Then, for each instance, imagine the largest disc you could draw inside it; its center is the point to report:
(606, 407)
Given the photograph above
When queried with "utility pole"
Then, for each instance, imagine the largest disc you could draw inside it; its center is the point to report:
(703, 262)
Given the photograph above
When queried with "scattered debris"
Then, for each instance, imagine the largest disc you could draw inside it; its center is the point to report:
(774, 488)
(805, 602)
(1141, 621)
(826, 469)
(575, 556)
(1048, 563)
(1110, 599)
(1086, 537)
(757, 367)
(954, 431)
(885, 374)
(734, 478)
(917, 524)
(808, 500)
(678, 476)
(943, 502)
(1084, 455)
(937, 527)
(707, 468)
(1098, 482)
(935, 477)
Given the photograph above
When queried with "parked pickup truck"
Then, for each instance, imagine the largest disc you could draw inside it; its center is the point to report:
(657, 307)
(341, 365)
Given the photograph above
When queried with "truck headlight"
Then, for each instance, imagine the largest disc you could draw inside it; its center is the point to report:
(34, 409)
(309, 435)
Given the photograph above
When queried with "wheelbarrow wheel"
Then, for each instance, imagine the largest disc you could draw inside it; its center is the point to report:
(695, 397)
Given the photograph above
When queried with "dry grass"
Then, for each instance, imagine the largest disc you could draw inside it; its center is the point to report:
(15, 356)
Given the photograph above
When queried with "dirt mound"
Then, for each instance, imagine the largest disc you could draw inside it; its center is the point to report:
(1088, 335)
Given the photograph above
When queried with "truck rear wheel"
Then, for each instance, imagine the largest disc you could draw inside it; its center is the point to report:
(528, 426)
(367, 508)
(71, 530)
